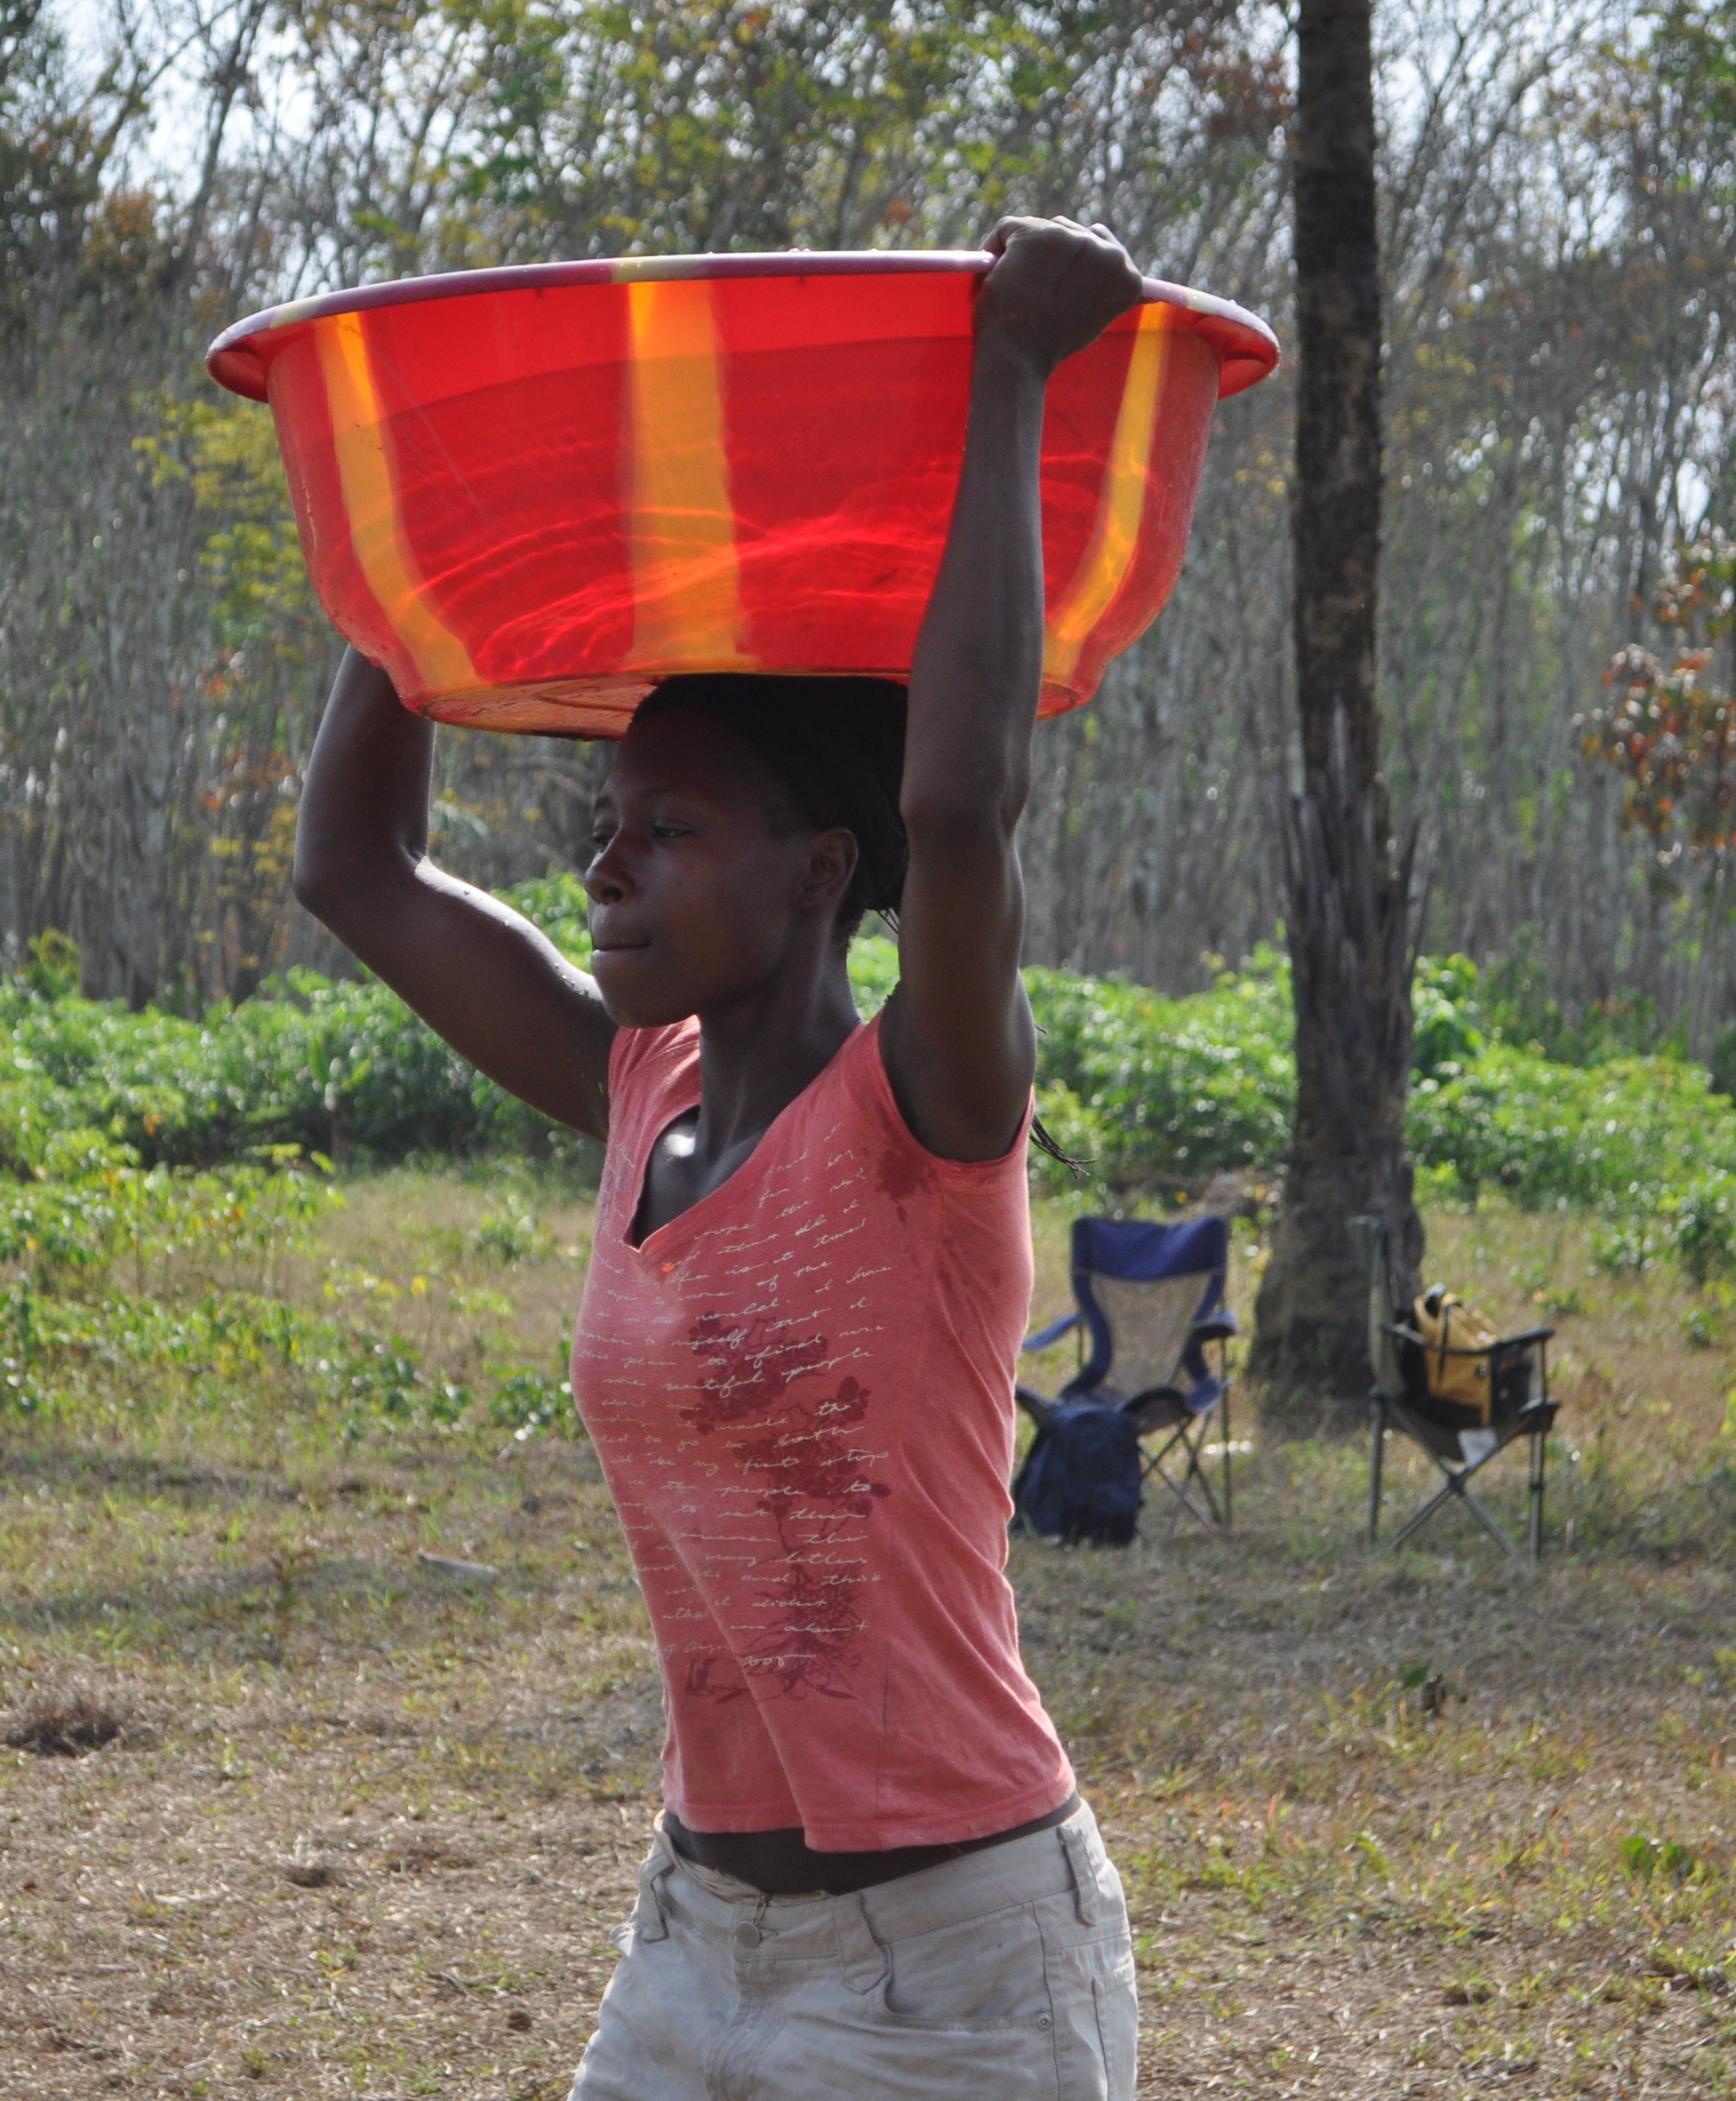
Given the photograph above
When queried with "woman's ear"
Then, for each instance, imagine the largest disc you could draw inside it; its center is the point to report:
(831, 865)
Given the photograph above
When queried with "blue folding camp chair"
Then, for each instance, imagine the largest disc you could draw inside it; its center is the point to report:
(1150, 1304)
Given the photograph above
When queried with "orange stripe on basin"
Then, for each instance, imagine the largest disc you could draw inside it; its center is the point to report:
(370, 504)
(681, 522)
(1114, 536)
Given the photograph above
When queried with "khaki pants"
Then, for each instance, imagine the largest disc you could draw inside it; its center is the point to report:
(1002, 1975)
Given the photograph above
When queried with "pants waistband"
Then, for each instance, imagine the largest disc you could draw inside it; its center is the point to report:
(1066, 1859)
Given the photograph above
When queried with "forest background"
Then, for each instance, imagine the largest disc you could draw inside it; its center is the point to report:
(291, 1530)
(1560, 249)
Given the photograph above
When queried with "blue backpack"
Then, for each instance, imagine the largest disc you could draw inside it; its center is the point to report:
(1080, 1479)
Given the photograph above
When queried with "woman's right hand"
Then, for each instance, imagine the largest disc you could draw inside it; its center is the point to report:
(478, 972)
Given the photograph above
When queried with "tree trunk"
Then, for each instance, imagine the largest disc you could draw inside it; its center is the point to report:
(1349, 919)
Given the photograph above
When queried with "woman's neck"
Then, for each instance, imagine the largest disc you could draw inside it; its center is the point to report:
(757, 1055)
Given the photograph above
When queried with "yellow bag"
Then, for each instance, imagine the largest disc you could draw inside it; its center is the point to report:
(1447, 1325)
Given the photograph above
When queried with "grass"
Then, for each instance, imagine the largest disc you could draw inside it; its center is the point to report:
(358, 1823)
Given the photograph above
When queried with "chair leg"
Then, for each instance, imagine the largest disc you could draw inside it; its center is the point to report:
(1211, 1516)
(1496, 1531)
(1191, 1440)
(1229, 1507)
(1420, 1516)
(1189, 1437)
(1456, 1481)
(1154, 1466)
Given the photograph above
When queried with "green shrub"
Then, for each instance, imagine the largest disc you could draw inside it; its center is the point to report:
(1151, 1092)
(1167, 1091)
(329, 1068)
(1516, 1006)
(1447, 1032)
(1627, 1132)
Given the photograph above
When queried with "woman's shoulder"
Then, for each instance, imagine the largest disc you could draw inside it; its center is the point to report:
(645, 1064)
(860, 1071)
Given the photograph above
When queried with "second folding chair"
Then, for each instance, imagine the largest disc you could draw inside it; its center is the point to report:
(1150, 1306)
(1515, 1371)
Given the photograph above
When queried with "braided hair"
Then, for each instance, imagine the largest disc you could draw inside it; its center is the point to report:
(837, 746)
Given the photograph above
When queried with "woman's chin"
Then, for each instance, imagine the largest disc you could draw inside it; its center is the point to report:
(631, 998)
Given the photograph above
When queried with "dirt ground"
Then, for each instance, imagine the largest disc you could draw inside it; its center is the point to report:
(1415, 1825)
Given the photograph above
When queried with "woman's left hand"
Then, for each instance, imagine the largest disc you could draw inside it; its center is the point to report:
(960, 1045)
(1056, 286)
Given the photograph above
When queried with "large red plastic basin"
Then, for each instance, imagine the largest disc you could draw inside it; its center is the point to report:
(530, 494)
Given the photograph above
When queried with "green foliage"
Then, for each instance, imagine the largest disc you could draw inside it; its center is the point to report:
(874, 971)
(54, 964)
(157, 1172)
(1447, 1033)
(1644, 1140)
(661, 128)
(163, 1288)
(510, 1234)
(329, 1068)
(1160, 1094)
(319, 1065)
(1513, 1002)
(1159, 1091)
(252, 557)
(1645, 1856)
(1152, 1093)
(529, 1401)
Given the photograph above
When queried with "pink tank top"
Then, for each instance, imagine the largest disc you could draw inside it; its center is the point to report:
(801, 1394)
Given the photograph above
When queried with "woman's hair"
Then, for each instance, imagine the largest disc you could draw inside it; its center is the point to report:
(837, 747)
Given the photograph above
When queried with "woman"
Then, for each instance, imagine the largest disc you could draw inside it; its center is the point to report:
(809, 1278)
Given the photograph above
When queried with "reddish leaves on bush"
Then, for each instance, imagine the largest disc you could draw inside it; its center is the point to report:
(1669, 728)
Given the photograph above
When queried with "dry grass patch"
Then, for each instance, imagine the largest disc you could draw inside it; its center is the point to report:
(71, 1727)
(1410, 1825)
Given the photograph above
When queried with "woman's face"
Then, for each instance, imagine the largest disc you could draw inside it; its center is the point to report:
(704, 884)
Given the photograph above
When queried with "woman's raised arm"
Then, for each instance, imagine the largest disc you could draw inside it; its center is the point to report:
(478, 972)
(957, 1039)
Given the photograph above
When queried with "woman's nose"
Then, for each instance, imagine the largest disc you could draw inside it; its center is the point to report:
(605, 880)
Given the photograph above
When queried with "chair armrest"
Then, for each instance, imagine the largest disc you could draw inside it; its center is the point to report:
(1159, 1405)
(1037, 1406)
(1052, 1334)
(1528, 1338)
(1217, 1327)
